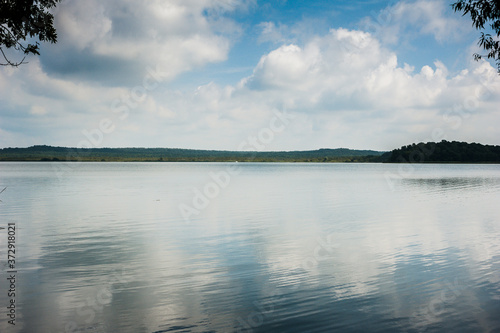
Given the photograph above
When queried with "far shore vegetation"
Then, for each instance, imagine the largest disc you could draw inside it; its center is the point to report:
(430, 152)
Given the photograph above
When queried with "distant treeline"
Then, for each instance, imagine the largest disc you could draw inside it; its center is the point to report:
(49, 153)
(444, 152)
(430, 152)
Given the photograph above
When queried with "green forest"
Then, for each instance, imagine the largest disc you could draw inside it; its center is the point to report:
(49, 153)
(430, 152)
(445, 152)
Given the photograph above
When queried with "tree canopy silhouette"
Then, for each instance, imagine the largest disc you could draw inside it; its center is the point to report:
(22, 20)
(484, 12)
(445, 152)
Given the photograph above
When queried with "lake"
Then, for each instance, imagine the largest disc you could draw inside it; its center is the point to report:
(250, 247)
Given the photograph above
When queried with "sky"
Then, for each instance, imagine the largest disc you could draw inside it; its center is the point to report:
(252, 75)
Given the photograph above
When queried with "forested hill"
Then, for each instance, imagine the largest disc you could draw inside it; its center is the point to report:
(430, 152)
(49, 153)
(445, 152)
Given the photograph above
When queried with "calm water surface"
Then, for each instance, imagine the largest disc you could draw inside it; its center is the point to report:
(228, 247)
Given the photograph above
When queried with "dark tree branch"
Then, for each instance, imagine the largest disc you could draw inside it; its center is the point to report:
(483, 12)
(23, 19)
(10, 63)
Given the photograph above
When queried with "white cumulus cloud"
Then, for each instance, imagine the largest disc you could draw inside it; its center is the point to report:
(346, 88)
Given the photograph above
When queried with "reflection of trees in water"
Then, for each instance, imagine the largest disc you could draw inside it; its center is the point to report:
(451, 183)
